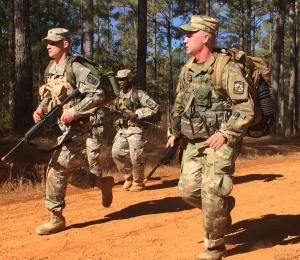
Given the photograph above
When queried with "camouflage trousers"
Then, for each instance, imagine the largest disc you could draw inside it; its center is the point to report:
(65, 167)
(93, 150)
(129, 141)
(205, 182)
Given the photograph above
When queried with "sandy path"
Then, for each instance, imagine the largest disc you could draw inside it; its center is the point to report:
(156, 224)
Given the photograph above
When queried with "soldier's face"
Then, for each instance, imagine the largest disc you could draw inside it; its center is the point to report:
(194, 42)
(123, 82)
(57, 49)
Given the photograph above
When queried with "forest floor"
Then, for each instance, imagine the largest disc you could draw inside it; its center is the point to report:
(157, 224)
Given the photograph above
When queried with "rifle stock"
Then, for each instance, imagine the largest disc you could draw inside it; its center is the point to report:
(48, 120)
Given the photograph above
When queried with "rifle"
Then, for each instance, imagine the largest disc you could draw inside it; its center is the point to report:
(48, 120)
(165, 158)
(124, 115)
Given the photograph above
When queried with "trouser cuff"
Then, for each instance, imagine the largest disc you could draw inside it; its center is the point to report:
(210, 243)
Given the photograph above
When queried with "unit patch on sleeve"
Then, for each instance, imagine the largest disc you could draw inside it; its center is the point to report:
(239, 87)
(150, 103)
(92, 80)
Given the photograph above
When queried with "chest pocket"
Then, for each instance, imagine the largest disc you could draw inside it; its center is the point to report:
(202, 96)
(59, 89)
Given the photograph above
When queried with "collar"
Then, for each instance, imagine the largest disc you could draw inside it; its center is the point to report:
(58, 69)
(125, 95)
(198, 68)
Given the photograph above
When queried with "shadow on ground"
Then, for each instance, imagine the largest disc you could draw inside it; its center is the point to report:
(268, 231)
(170, 204)
(256, 177)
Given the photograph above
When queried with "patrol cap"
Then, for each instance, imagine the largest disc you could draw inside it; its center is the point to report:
(201, 22)
(126, 73)
(57, 34)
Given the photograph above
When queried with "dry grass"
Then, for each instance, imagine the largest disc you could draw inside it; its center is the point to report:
(29, 166)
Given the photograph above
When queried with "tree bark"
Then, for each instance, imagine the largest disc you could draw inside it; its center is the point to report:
(142, 43)
(170, 58)
(292, 119)
(277, 51)
(23, 67)
(207, 7)
(88, 28)
(154, 47)
(11, 60)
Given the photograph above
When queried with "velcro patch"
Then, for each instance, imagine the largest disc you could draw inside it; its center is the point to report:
(92, 80)
(239, 87)
(150, 103)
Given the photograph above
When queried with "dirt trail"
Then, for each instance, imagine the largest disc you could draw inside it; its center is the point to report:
(156, 224)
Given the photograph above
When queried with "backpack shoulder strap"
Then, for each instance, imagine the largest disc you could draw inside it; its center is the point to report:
(46, 71)
(221, 61)
(135, 99)
(69, 71)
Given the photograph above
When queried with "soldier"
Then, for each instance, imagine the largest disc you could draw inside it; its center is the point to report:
(211, 120)
(64, 165)
(129, 140)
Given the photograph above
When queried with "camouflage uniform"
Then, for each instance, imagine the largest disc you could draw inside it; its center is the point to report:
(200, 110)
(65, 163)
(129, 138)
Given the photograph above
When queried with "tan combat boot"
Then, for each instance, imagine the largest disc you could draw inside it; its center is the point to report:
(215, 253)
(127, 184)
(55, 224)
(105, 184)
(137, 187)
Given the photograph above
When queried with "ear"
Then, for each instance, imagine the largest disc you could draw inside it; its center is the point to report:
(66, 44)
(205, 38)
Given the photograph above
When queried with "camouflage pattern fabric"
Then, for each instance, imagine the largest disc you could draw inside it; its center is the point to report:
(206, 174)
(94, 143)
(65, 164)
(129, 140)
(64, 167)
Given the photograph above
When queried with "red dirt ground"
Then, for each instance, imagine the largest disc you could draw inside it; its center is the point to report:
(156, 224)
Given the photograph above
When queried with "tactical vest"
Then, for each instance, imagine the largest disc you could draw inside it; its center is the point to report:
(205, 108)
(57, 88)
(130, 104)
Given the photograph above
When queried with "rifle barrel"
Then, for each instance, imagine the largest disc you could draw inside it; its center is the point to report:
(13, 149)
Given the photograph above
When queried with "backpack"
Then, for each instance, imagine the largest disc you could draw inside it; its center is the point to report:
(108, 83)
(257, 73)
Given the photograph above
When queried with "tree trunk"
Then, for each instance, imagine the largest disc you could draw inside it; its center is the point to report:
(11, 60)
(154, 47)
(207, 7)
(88, 28)
(170, 66)
(23, 67)
(292, 119)
(142, 43)
(242, 27)
(248, 27)
(278, 36)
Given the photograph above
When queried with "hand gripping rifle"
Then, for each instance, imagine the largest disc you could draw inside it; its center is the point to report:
(165, 158)
(48, 120)
(124, 115)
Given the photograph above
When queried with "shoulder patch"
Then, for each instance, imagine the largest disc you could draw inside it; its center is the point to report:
(239, 87)
(150, 103)
(92, 80)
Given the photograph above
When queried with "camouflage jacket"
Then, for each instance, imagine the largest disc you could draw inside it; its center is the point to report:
(57, 88)
(137, 101)
(232, 100)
